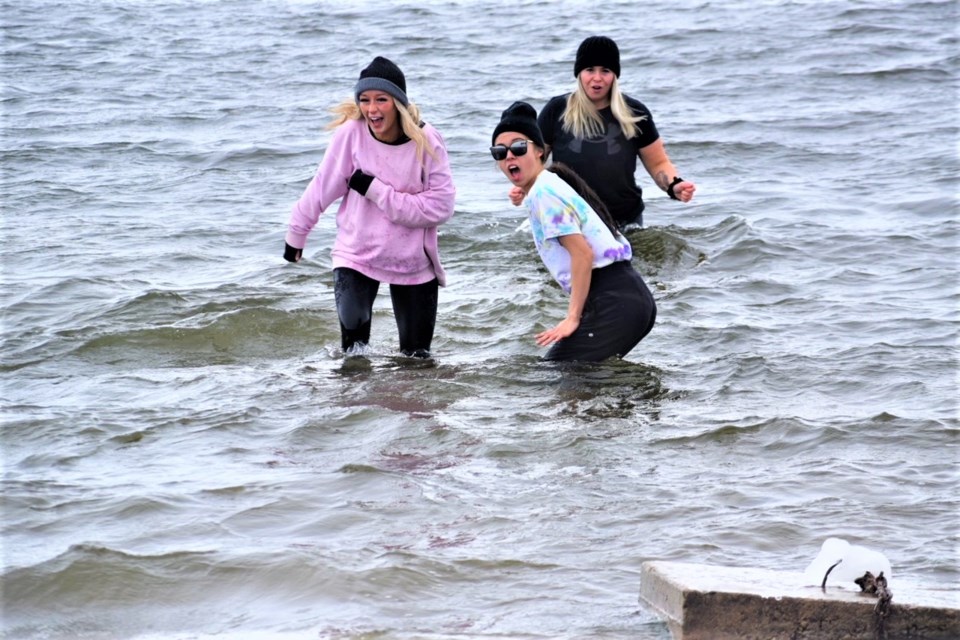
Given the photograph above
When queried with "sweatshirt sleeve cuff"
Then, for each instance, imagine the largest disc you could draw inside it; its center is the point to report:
(295, 240)
(376, 191)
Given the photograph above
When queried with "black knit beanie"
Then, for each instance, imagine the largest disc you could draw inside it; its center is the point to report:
(597, 51)
(522, 118)
(382, 75)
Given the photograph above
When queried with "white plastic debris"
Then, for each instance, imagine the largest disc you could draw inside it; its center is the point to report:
(854, 560)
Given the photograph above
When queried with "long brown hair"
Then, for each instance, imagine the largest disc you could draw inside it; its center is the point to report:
(570, 176)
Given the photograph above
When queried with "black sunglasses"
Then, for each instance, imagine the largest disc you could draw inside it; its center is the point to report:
(518, 148)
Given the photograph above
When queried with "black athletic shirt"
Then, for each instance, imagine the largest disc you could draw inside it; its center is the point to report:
(605, 163)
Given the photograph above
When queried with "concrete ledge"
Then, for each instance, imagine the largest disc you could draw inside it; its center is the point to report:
(704, 602)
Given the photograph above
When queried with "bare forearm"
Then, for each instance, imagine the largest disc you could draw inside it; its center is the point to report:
(581, 271)
(664, 173)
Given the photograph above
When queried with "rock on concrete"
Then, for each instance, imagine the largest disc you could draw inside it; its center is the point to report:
(704, 602)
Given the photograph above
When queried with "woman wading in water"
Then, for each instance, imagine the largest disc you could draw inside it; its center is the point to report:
(610, 309)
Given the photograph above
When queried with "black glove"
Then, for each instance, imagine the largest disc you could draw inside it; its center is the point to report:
(291, 254)
(360, 182)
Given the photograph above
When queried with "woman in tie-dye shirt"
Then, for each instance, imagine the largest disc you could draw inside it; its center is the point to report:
(610, 309)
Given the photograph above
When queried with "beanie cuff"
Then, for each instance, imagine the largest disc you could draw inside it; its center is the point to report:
(380, 84)
(580, 66)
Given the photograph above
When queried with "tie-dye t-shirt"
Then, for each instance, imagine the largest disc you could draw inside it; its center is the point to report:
(557, 210)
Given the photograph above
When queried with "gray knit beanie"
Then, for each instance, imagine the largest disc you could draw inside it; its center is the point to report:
(382, 75)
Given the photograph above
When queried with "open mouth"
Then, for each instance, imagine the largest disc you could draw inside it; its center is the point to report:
(514, 170)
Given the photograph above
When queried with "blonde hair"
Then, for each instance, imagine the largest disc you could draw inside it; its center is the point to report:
(582, 119)
(409, 122)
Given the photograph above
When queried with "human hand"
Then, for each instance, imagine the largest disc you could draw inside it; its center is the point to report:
(684, 191)
(516, 196)
(360, 182)
(566, 327)
(292, 254)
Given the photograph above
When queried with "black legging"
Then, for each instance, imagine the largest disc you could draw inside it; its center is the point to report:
(415, 307)
(619, 312)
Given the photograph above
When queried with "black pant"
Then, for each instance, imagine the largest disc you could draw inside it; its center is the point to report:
(620, 311)
(415, 307)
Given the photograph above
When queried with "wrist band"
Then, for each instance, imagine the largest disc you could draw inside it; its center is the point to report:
(676, 180)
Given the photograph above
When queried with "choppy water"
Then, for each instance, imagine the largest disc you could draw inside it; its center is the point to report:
(186, 453)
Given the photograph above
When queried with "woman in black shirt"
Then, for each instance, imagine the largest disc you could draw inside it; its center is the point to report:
(599, 133)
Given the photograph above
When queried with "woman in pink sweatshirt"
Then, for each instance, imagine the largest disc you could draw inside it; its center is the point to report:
(393, 175)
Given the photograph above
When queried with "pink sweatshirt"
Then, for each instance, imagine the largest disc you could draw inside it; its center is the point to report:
(390, 234)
